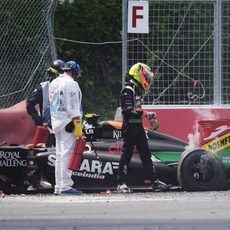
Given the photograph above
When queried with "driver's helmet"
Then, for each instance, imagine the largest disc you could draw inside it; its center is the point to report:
(56, 68)
(73, 67)
(92, 118)
(142, 74)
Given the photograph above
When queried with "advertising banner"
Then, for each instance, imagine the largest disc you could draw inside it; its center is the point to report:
(138, 17)
(214, 134)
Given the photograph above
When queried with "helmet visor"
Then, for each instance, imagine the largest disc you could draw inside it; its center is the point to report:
(146, 78)
(52, 73)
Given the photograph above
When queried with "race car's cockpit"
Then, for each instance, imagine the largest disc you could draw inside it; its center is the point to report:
(94, 130)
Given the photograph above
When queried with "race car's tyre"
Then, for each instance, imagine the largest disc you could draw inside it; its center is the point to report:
(199, 170)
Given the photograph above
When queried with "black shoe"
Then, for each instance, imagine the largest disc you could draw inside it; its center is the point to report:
(159, 186)
(71, 192)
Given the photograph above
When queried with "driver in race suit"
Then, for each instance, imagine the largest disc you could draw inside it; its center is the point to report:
(132, 129)
(66, 116)
(40, 96)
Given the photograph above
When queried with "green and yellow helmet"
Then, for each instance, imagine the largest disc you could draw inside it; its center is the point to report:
(142, 74)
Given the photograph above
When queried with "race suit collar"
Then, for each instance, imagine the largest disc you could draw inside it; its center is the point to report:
(68, 75)
(135, 86)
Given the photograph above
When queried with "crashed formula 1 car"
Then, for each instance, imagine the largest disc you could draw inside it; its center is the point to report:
(204, 168)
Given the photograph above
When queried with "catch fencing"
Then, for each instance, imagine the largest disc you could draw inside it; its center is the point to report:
(27, 47)
(188, 44)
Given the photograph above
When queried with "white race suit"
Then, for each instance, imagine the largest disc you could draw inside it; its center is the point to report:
(65, 104)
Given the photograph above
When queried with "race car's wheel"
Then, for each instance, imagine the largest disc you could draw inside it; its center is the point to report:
(199, 170)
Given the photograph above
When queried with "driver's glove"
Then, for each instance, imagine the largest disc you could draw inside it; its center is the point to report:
(151, 116)
(39, 120)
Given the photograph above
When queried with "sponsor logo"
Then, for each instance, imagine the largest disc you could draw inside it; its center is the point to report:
(117, 134)
(72, 94)
(51, 160)
(89, 131)
(154, 159)
(11, 159)
(226, 162)
(95, 169)
(219, 143)
(88, 149)
(91, 168)
(119, 149)
(217, 131)
(115, 149)
(52, 157)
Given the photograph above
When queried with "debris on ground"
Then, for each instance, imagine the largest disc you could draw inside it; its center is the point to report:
(2, 194)
(106, 192)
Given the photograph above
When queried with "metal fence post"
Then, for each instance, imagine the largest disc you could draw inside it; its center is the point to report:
(217, 90)
(124, 39)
